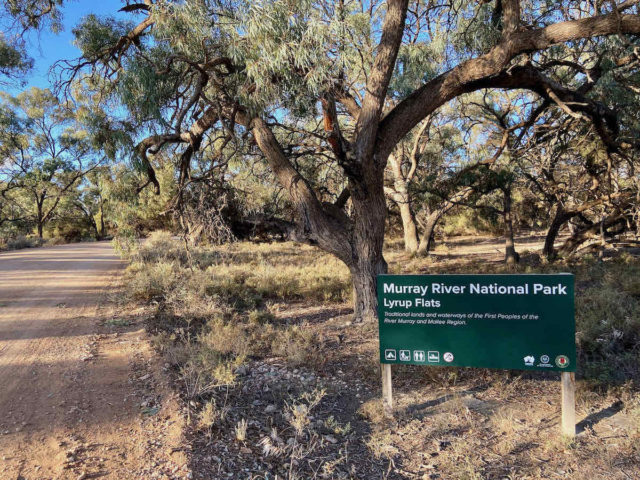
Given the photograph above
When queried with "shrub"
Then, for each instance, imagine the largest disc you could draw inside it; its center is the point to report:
(299, 345)
(147, 282)
(161, 247)
(22, 241)
(608, 321)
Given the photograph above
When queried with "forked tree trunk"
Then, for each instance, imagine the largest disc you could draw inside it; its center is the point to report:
(409, 227)
(511, 257)
(400, 196)
(428, 234)
(94, 225)
(368, 262)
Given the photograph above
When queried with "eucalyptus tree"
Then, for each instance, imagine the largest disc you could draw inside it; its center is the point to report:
(246, 71)
(16, 18)
(576, 174)
(90, 199)
(44, 156)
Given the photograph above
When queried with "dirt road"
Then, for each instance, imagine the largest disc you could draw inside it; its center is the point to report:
(80, 393)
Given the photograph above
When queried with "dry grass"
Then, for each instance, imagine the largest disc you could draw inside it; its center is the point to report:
(218, 307)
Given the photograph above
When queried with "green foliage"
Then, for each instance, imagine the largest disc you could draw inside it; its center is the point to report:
(95, 35)
(13, 59)
(35, 14)
(46, 153)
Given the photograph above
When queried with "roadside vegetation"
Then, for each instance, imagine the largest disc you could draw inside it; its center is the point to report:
(261, 163)
(276, 378)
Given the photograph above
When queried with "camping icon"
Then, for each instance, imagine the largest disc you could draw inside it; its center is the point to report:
(389, 354)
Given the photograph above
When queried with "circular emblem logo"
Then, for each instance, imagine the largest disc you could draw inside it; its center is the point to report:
(448, 357)
(544, 358)
(562, 361)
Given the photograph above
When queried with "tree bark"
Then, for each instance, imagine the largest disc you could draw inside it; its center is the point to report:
(559, 219)
(94, 225)
(428, 233)
(511, 257)
(102, 225)
(400, 197)
(369, 216)
(364, 275)
(409, 227)
(40, 219)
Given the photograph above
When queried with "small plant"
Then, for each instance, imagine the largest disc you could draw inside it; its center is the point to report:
(261, 317)
(241, 430)
(117, 322)
(373, 411)
(300, 410)
(381, 444)
(332, 424)
(211, 415)
(299, 345)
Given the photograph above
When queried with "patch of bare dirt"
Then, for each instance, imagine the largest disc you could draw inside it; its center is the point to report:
(81, 394)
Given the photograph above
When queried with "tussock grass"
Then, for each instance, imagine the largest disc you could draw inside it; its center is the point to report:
(228, 292)
(213, 303)
(216, 307)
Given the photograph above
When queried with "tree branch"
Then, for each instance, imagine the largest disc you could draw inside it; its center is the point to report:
(379, 78)
(468, 76)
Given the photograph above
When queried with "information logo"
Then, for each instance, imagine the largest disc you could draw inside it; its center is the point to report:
(448, 357)
(405, 355)
(562, 361)
(418, 356)
(433, 357)
(390, 354)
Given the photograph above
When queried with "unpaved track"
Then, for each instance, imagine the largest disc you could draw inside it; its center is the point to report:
(71, 388)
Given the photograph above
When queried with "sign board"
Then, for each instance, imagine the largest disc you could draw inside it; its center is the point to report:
(521, 322)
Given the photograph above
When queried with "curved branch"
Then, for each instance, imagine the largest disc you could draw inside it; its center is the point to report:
(476, 73)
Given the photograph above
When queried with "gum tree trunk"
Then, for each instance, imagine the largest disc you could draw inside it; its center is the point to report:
(409, 227)
(511, 257)
(559, 219)
(370, 211)
(428, 234)
(399, 194)
(40, 219)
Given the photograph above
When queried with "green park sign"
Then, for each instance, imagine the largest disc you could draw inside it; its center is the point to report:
(522, 322)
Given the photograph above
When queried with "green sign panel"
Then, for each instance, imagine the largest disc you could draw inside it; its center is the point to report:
(522, 322)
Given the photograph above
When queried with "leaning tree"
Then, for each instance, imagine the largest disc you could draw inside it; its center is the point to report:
(247, 72)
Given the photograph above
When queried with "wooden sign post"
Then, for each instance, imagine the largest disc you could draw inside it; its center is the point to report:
(568, 380)
(512, 322)
(387, 390)
(568, 383)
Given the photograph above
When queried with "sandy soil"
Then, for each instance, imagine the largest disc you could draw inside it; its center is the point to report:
(80, 394)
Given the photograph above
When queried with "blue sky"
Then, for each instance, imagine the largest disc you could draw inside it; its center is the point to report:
(46, 47)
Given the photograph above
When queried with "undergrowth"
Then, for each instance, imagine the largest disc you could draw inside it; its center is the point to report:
(215, 304)
(216, 308)
(223, 299)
